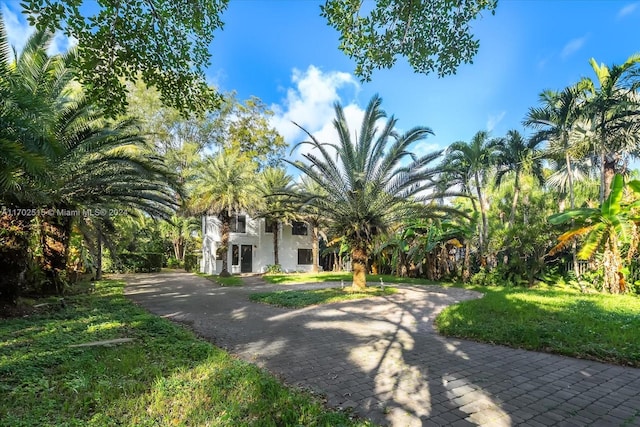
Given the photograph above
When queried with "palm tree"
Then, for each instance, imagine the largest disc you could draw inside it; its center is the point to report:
(475, 158)
(515, 155)
(272, 183)
(613, 108)
(312, 216)
(90, 164)
(371, 182)
(225, 185)
(557, 120)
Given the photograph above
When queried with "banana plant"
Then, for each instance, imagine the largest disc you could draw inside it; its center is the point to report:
(605, 230)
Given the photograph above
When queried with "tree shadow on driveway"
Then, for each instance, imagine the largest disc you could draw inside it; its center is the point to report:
(382, 358)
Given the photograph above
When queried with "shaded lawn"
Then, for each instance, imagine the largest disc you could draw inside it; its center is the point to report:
(591, 326)
(166, 376)
(372, 279)
(222, 281)
(304, 298)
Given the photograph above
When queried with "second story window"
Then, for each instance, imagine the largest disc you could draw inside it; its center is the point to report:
(239, 224)
(269, 225)
(299, 228)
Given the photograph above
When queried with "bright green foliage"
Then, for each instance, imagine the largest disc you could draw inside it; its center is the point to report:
(475, 159)
(165, 376)
(223, 186)
(597, 326)
(370, 183)
(434, 36)
(164, 43)
(305, 298)
(605, 229)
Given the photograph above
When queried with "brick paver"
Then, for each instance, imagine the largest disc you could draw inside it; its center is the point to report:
(382, 358)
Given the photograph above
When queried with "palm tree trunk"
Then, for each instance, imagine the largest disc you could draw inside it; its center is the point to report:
(225, 219)
(514, 202)
(466, 274)
(314, 248)
(56, 234)
(484, 232)
(14, 255)
(99, 255)
(276, 232)
(572, 202)
(359, 266)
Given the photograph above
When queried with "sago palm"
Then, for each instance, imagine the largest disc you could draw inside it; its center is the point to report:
(371, 182)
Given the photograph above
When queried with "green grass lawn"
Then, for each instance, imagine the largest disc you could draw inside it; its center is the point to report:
(165, 376)
(304, 298)
(372, 279)
(222, 281)
(592, 326)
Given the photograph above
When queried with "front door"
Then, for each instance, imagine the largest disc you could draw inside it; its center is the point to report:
(246, 259)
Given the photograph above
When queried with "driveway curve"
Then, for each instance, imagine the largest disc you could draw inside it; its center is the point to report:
(382, 357)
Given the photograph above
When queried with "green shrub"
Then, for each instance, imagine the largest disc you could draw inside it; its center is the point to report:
(273, 269)
(191, 262)
(140, 262)
(173, 262)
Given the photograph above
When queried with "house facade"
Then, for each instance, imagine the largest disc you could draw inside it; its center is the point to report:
(251, 245)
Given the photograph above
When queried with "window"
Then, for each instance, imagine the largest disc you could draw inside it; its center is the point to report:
(239, 224)
(269, 225)
(305, 257)
(299, 228)
(235, 255)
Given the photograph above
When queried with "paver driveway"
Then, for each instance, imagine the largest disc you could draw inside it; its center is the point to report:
(382, 357)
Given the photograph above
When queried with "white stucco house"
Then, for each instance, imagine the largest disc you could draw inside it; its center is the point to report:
(251, 245)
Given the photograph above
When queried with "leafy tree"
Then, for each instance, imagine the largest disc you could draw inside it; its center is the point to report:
(434, 35)
(371, 182)
(312, 216)
(475, 158)
(164, 43)
(224, 185)
(605, 229)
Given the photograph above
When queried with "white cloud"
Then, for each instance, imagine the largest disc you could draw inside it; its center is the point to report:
(310, 102)
(493, 120)
(572, 47)
(18, 30)
(627, 10)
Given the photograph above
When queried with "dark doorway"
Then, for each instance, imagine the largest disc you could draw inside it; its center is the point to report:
(246, 259)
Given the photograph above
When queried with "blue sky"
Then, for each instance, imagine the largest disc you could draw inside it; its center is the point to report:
(283, 52)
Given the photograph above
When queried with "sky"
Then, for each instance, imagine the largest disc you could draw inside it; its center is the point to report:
(283, 52)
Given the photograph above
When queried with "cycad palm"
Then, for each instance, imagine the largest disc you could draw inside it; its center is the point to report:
(369, 181)
(224, 185)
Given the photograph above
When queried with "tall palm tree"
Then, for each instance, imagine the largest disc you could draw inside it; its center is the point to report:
(371, 182)
(475, 157)
(312, 216)
(514, 156)
(275, 208)
(225, 185)
(557, 120)
(613, 107)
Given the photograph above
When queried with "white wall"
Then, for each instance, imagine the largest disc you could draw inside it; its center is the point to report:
(262, 246)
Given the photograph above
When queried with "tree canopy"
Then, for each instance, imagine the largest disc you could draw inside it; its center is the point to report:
(434, 36)
(166, 44)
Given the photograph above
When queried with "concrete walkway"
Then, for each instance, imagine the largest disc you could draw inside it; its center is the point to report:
(382, 357)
